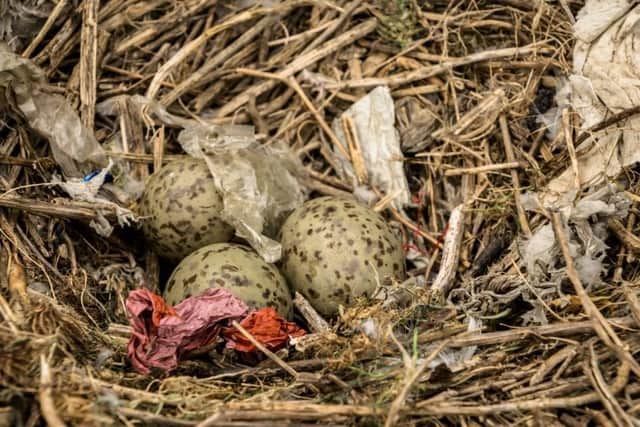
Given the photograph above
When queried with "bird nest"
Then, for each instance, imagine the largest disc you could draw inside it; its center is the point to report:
(510, 339)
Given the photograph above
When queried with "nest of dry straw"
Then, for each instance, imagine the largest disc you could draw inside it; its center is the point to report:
(467, 78)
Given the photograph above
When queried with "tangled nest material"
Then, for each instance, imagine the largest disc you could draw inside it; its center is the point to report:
(521, 339)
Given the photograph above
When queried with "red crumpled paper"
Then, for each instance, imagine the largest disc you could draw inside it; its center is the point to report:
(162, 334)
(267, 327)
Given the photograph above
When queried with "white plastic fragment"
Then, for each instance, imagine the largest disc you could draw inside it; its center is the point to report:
(585, 223)
(456, 359)
(538, 250)
(605, 81)
(87, 190)
(370, 328)
(374, 119)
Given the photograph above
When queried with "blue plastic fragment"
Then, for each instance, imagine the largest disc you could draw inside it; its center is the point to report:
(91, 175)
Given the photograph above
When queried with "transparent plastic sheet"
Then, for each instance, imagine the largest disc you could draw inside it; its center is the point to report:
(605, 81)
(73, 146)
(374, 118)
(259, 184)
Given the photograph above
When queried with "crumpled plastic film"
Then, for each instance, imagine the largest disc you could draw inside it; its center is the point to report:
(605, 81)
(374, 118)
(87, 190)
(73, 146)
(162, 335)
(267, 327)
(258, 190)
(259, 183)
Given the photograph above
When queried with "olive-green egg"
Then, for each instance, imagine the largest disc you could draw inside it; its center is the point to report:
(180, 209)
(335, 250)
(236, 268)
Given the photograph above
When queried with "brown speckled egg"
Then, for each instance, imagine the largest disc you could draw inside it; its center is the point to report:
(234, 267)
(181, 209)
(335, 250)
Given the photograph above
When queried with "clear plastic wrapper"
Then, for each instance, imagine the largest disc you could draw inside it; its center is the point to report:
(374, 118)
(73, 146)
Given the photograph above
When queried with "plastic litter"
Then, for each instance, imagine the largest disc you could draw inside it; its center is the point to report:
(605, 81)
(84, 163)
(374, 118)
(87, 188)
(585, 225)
(266, 326)
(73, 146)
(162, 335)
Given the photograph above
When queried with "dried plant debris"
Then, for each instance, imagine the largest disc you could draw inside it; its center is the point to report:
(523, 112)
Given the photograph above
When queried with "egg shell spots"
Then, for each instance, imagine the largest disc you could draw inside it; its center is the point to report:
(335, 250)
(236, 268)
(181, 209)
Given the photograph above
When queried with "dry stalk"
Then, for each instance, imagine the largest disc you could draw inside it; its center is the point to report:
(619, 383)
(632, 299)
(571, 149)
(412, 377)
(557, 329)
(450, 254)
(191, 47)
(194, 79)
(628, 239)
(508, 148)
(607, 397)
(293, 83)
(51, 19)
(299, 64)
(355, 152)
(88, 62)
(433, 70)
(482, 169)
(567, 353)
(313, 318)
(47, 405)
(266, 351)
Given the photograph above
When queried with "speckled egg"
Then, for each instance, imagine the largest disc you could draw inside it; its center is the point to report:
(181, 209)
(335, 250)
(234, 267)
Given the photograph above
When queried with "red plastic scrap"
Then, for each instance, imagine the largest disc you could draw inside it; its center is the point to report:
(267, 327)
(162, 334)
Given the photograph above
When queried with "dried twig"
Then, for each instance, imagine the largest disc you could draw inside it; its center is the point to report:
(47, 406)
(482, 169)
(314, 320)
(265, 350)
(88, 62)
(400, 400)
(450, 254)
(300, 64)
(508, 148)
